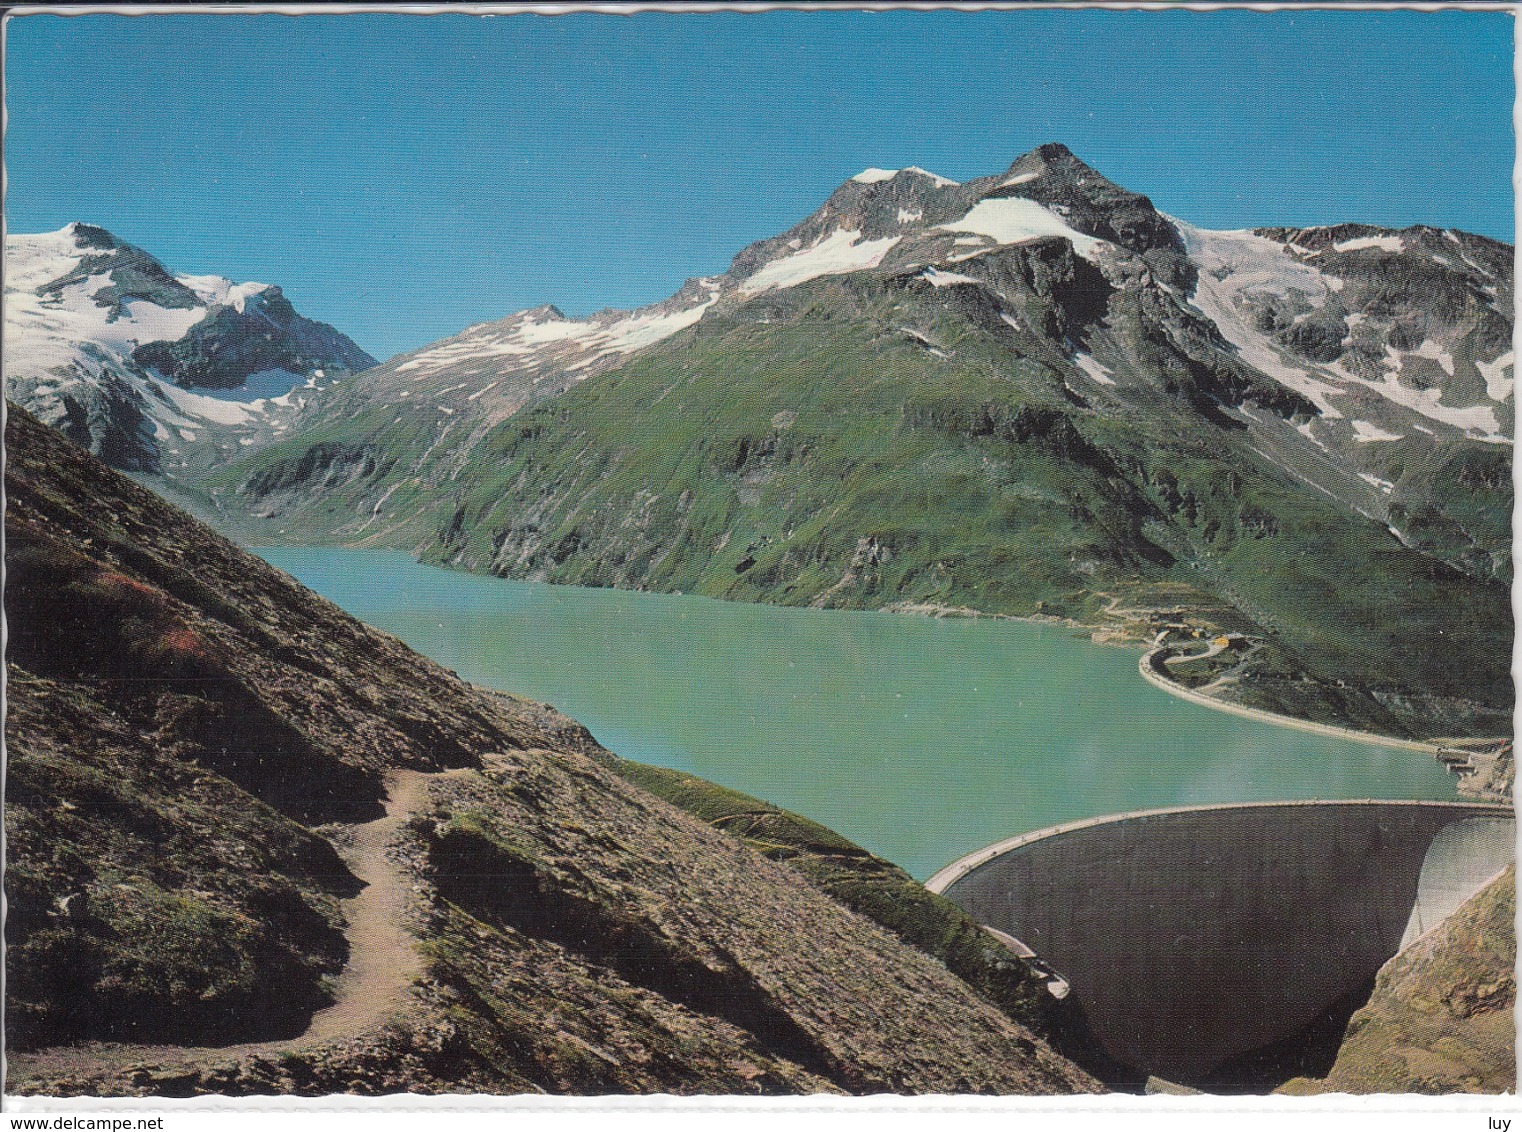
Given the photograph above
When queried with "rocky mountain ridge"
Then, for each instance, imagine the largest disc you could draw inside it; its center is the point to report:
(1272, 297)
(1032, 393)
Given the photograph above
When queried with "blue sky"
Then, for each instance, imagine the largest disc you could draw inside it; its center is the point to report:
(403, 177)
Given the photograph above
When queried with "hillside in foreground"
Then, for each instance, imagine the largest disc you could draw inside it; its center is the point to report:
(257, 847)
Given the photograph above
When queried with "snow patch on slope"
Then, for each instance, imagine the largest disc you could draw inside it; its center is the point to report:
(532, 333)
(206, 408)
(543, 336)
(1237, 264)
(53, 327)
(467, 346)
(875, 176)
(149, 322)
(839, 253)
(1366, 433)
(940, 182)
(1478, 421)
(32, 260)
(938, 278)
(1498, 376)
(641, 330)
(1091, 367)
(1015, 220)
(213, 289)
(1306, 431)
(1435, 351)
(1363, 243)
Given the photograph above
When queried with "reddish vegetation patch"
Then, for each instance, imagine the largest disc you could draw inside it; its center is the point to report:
(110, 580)
(184, 641)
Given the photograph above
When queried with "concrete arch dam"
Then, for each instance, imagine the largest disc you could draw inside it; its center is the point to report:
(1193, 937)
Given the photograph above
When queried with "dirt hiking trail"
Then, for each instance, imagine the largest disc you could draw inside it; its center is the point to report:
(383, 958)
(382, 964)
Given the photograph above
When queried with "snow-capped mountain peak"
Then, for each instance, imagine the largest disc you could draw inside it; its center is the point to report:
(104, 342)
(875, 176)
(910, 224)
(213, 290)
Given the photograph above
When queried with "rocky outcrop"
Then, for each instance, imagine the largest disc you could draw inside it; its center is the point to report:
(263, 334)
(1441, 1018)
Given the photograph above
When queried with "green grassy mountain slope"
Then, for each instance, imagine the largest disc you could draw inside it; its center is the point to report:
(1032, 394)
(854, 442)
(256, 847)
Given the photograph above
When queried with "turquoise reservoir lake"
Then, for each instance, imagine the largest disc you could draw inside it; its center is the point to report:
(920, 739)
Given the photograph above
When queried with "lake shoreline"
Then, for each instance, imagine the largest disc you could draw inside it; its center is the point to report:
(1147, 666)
(1113, 630)
(1098, 634)
(978, 730)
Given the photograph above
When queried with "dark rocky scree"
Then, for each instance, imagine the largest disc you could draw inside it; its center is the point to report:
(191, 734)
(106, 417)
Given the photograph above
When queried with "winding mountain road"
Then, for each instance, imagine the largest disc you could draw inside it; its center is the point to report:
(1152, 670)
